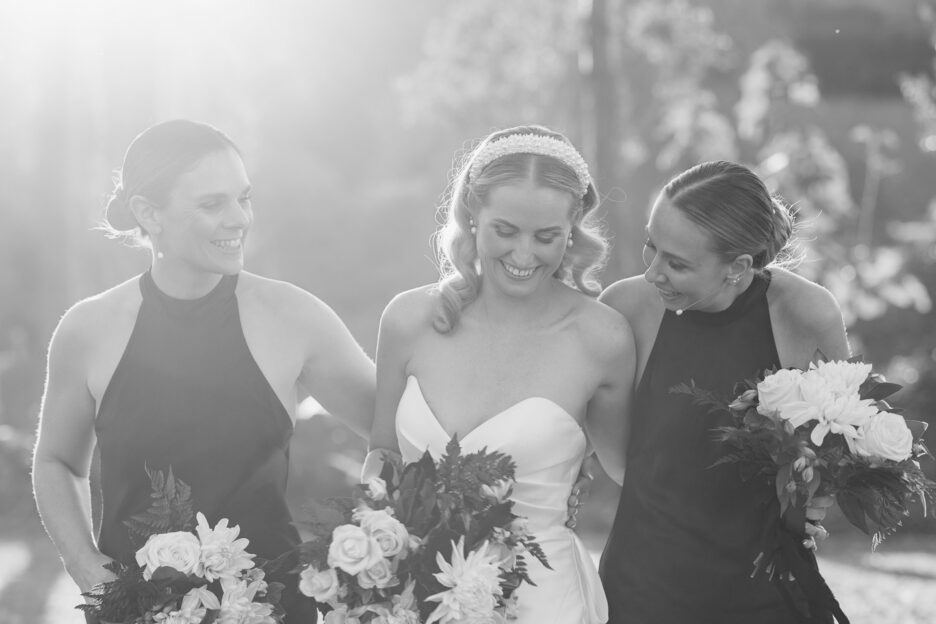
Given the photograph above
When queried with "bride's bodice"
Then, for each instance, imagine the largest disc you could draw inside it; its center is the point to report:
(545, 441)
(547, 445)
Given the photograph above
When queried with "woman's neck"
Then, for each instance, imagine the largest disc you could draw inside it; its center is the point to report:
(179, 283)
(536, 310)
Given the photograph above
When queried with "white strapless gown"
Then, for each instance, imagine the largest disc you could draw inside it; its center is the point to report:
(548, 446)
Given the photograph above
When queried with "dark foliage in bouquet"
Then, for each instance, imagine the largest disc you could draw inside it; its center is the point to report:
(425, 541)
(185, 572)
(828, 431)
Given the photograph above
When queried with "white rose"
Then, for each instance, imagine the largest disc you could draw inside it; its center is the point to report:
(377, 489)
(179, 550)
(352, 549)
(379, 575)
(383, 527)
(320, 585)
(885, 436)
(778, 390)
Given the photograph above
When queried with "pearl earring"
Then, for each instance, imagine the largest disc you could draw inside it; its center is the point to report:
(473, 228)
(571, 242)
(160, 255)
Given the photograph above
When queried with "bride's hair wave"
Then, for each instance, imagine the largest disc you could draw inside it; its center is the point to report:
(457, 255)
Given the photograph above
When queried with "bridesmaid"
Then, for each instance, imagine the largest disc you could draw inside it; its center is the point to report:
(194, 365)
(714, 308)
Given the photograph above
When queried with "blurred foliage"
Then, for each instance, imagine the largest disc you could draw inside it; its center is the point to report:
(348, 115)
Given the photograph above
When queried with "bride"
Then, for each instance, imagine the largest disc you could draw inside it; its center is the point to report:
(511, 350)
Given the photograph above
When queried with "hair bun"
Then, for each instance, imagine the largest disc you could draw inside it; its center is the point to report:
(117, 214)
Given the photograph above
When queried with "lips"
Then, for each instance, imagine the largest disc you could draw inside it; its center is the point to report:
(517, 272)
(229, 245)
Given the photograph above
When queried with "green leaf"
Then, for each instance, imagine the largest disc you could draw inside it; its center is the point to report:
(852, 511)
(878, 390)
(917, 428)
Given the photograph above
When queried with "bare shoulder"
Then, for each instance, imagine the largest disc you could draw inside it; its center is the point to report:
(282, 301)
(604, 330)
(411, 312)
(804, 302)
(633, 297)
(93, 318)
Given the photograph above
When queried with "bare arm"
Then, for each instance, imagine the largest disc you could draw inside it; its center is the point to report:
(337, 372)
(608, 417)
(832, 338)
(63, 454)
(393, 352)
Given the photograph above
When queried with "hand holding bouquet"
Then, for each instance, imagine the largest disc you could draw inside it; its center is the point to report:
(426, 542)
(185, 577)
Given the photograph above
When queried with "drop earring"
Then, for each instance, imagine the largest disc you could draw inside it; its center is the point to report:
(160, 255)
(472, 227)
(571, 242)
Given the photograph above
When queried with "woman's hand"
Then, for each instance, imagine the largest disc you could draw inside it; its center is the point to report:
(91, 572)
(815, 513)
(580, 490)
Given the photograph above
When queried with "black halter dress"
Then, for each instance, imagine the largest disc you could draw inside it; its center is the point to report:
(686, 534)
(188, 394)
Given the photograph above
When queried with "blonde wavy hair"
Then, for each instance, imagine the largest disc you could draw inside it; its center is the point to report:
(459, 279)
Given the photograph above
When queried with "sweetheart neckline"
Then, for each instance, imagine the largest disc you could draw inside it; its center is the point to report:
(484, 422)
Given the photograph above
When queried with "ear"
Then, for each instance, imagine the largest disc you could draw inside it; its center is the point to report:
(740, 265)
(146, 214)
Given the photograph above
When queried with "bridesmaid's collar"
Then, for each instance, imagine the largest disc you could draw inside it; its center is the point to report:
(742, 303)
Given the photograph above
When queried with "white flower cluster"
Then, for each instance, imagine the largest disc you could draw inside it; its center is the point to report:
(530, 143)
(473, 582)
(827, 394)
(370, 550)
(214, 555)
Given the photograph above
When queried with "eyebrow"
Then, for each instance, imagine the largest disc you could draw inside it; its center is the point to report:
(666, 253)
(219, 195)
(550, 229)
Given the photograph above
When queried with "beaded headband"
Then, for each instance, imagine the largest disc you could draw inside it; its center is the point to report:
(532, 144)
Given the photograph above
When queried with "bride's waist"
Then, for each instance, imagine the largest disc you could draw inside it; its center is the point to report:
(540, 518)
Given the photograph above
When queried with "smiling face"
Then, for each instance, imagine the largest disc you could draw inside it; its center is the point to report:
(205, 222)
(681, 263)
(522, 235)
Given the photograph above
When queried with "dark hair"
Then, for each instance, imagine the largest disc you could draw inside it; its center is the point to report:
(731, 203)
(460, 282)
(152, 164)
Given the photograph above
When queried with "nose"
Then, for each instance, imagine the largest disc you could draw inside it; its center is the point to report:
(523, 251)
(238, 215)
(653, 274)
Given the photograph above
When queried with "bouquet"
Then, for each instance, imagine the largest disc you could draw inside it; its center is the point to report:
(185, 571)
(425, 542)
(824, 431)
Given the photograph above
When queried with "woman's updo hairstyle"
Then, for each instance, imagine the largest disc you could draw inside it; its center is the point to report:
(153, 163)
(495, 163)
(732, 204)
